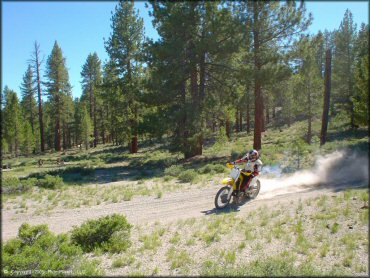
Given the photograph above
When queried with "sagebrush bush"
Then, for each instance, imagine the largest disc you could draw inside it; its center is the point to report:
(14, 185)
(173, 170)
(212, 169)
(110, 233)
(38, 249)
(50, 182)
(188, 176)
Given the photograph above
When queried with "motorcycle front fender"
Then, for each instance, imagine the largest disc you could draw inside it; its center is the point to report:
(228, 181)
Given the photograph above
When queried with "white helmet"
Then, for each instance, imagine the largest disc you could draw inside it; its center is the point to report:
(253, 155)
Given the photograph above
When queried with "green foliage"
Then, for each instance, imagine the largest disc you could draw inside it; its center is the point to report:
(343, 76)
(174, 170)
(151, 242)
(188, 176)
(123, 261)
(12, 120)
(125, 50)
(220, 140)
(361, 107)
(298, 150)
(50, 182)
(86, 128)
(28, 142)
(110, 233)
(282, 265)
(13, 185)
(59, 94)
(38, 250)
(212, 169)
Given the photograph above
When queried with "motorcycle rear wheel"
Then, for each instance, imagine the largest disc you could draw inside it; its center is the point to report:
(221, 200)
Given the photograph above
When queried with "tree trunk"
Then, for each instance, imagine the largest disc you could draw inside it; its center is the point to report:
(102, 132)
(248, 118)
(258, 101)
(183, 128)
(237, 121)
(134, 145)
(213, 123)
(64, 136)
(228, 128)
(263, 114)
(309, 130)
(57, 135)
(195, 147)
(41, 123)
(352, 114)
(57, 126)
(325, 113)
(240, 121)
(95, 124)
(309, 100)
(267, 112)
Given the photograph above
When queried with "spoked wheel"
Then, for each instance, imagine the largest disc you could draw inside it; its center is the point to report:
(221, 199)
(255, 190)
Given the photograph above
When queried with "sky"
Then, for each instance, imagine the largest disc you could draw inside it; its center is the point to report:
(80, 29)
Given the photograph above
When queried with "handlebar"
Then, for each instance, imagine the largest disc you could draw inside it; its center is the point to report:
(233, 165)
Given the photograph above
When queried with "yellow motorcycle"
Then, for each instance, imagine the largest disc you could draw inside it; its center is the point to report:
(223, 196)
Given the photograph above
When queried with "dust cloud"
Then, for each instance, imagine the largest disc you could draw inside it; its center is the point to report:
(337, 170)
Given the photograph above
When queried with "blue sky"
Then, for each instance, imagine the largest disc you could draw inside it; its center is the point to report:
(79, 28)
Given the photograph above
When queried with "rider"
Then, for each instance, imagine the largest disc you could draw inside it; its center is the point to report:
(253, 165)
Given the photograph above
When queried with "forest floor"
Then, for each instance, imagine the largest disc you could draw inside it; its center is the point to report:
(312, 221)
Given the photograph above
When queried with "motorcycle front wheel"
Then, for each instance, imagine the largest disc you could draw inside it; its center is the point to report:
(221, 200)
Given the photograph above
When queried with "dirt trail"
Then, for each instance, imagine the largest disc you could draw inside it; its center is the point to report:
(331, 170)
(141, 210)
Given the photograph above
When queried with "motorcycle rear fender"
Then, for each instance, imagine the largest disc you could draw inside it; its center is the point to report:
(228, 181)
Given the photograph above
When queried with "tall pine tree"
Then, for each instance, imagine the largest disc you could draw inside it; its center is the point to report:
(270, 24)
(124, 47)
(91, 82)
(344, 67)
(59, 91)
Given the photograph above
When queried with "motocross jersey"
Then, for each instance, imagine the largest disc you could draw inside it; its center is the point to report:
(253, 166)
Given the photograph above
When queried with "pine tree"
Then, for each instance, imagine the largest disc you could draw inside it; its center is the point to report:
(361, 97)
(12, 120)
(124, 47)
(59, 91)
(344, 67)
(270, 24)
(189, 69)
(28, 143)
(28, 102)
(112, 100)
(91, 82)
(309, 86)
(86, 128)
(36, 63)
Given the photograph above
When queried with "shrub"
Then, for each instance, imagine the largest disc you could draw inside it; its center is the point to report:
(83, 170)
(212, 169)
(14, 185)
(188, 176)
(50, 182)
(235, 154)
(110, 233)
(173, 170)
(38, 250)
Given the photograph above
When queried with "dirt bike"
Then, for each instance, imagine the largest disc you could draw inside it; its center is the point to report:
(223, 196)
